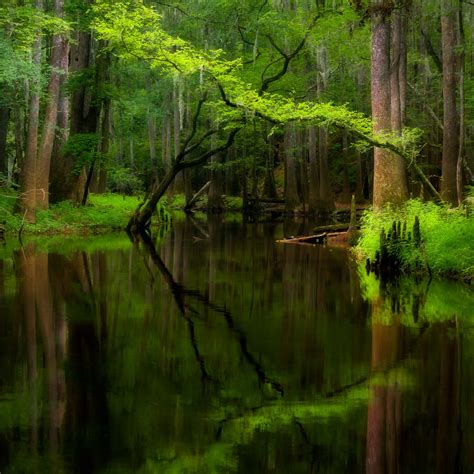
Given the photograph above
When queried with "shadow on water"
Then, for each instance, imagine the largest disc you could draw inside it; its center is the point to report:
(210, 348)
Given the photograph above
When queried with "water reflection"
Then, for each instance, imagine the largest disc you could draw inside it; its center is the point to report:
(210, 348)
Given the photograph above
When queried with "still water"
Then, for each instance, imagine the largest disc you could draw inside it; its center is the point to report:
(211, 348)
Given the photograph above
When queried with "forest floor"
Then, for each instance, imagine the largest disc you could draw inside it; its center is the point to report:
(103, 213)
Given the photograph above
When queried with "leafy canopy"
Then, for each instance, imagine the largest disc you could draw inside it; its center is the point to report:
(135, 32)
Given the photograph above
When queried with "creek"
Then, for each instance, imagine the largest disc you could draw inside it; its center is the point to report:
(211, 348)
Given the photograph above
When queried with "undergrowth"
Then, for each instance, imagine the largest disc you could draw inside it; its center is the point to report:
(103, 213)
(447, 245)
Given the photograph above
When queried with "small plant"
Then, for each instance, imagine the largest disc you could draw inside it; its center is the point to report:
(430, 236)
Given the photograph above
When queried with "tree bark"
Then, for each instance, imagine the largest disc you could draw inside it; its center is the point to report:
(26, 202)
(313, 203)
(292, 200)
(58, 66)
(4, 119)
(450, 115)
(389, 169)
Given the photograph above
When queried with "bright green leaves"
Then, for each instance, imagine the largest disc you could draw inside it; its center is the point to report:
(135, 32)
(22, 24)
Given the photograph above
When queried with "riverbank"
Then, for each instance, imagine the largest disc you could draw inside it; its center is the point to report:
(103, 213)
(444, 245)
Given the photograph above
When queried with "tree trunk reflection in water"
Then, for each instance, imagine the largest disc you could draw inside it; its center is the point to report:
(87, 410)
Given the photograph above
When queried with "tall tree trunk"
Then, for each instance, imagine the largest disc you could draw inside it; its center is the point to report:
(215, 203)
(26, 203)
(18, 116)
(4, 119)
(58, 66)
(359, 191)
(326, 196)
(389, 170)
(85, 111)
(105, 144)
(178, 185)
(57, 170)
(292, 200)
(450, 115)
(313, 171)
(459, 174)
(346, 189)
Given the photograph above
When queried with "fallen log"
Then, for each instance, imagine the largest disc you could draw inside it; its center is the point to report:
(193, 200)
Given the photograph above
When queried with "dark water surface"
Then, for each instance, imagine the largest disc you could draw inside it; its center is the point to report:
(214, 349)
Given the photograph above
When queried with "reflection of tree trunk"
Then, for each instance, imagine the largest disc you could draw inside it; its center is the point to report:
(87, 411)
(46, 319)
(25, 263)
(448, 409)
(384, 410)
(215, 224)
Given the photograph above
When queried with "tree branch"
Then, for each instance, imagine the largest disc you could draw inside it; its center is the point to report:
(287, 57)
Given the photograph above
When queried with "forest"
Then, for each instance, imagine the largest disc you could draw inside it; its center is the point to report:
(236, 236)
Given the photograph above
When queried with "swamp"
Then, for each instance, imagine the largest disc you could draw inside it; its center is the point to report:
(236, 236)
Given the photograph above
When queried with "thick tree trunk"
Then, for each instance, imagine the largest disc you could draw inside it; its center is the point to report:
(26, 203)
(326, 196)
(62, 125)
(450, 115)
(85, 111)
(389, 169)
(59, 59)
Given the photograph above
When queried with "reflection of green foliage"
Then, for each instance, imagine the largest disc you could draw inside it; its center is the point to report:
(416, 302)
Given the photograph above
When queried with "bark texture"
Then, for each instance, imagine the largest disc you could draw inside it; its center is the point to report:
(450, 114)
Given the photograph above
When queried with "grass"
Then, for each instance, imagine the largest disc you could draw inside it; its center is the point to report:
(103, 213)
(447, 245)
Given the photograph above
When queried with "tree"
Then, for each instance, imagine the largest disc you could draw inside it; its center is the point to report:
(389, 170)
(449, 30)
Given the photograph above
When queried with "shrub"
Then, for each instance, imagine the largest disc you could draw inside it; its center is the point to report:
(446, 236)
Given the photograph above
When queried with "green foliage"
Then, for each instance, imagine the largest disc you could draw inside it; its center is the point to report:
(124, 181)
(135, 30)
(446, 236)
(82, 147)
(103, 213)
